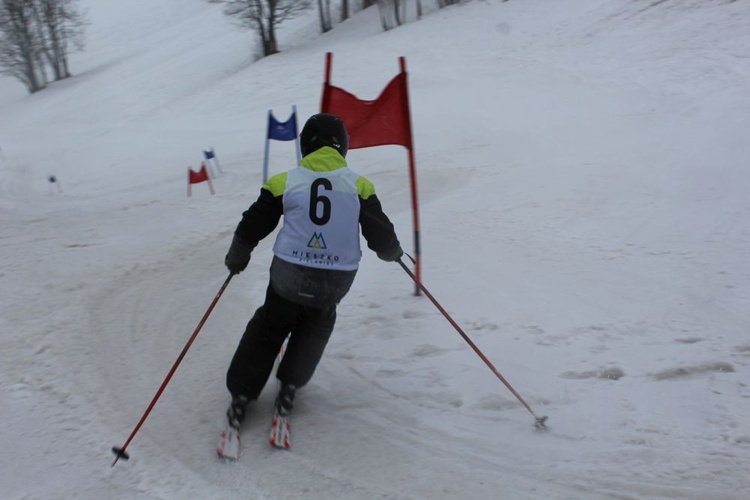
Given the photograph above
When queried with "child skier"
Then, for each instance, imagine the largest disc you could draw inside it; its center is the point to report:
(316, 256)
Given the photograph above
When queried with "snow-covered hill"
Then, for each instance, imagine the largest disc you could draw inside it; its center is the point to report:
(583, 192)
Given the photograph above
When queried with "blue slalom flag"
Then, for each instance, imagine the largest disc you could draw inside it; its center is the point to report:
(209, 154)
(282, 131)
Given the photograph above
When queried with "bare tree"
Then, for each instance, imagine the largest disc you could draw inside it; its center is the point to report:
(60, 24)
(20, 46)
(391, 13)
(35, 35)
(263, 16)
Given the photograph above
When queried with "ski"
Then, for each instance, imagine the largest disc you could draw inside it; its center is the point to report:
(229, 443)
(280, 431)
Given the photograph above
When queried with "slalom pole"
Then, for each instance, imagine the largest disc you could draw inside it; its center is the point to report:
(120, 451)
(539, 421)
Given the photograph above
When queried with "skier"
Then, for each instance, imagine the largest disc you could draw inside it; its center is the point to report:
(316, 256)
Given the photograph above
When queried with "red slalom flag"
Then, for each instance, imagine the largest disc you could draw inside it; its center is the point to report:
(372, 123)
(386, 120)
(198, 177)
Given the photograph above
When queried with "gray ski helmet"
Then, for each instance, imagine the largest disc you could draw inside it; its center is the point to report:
(321, 130)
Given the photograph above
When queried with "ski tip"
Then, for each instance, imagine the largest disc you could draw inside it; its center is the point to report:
(281, 445)
(229, 444)
(280, 431)
(226, 457)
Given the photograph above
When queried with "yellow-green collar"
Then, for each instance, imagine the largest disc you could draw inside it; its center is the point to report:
(325, 159)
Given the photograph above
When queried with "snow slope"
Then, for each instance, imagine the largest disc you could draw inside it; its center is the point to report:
(584, 214)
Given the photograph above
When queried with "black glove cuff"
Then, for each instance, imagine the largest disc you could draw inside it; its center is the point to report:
(238, 255)
(392, 255)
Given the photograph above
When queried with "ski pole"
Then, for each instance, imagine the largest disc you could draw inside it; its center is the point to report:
(539, 421)
(120, 451)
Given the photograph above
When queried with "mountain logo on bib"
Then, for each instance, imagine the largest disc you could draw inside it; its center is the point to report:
(317, 242)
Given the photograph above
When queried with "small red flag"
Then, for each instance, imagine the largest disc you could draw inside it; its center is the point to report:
(372, 123)
(199, 176)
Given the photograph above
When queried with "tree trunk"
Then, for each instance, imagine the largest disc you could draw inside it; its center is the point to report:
(344, 10)
(324, 10)
(270, 46)
(24, 45)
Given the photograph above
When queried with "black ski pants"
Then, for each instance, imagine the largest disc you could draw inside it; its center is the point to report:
(308, 329)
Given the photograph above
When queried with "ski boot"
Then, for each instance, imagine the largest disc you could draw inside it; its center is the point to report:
(285, 399)
(236, 411)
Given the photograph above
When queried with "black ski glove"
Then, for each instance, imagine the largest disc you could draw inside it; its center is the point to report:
(391, 256)
(238, 256)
